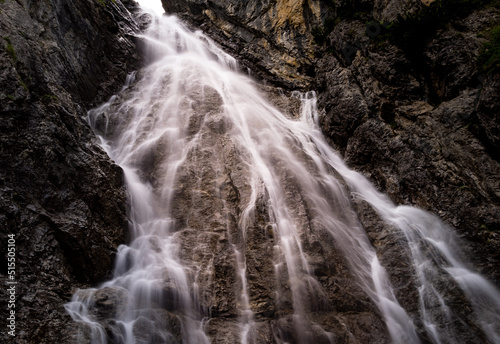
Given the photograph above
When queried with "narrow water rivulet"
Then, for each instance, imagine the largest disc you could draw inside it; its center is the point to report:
(244, 222)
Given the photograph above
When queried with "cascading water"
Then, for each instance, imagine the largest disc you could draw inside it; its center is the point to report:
(210, 165)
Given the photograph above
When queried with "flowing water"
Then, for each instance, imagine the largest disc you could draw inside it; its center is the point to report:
(208, 163)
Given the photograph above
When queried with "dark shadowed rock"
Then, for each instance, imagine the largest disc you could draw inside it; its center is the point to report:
(438, 156)
(60, 194)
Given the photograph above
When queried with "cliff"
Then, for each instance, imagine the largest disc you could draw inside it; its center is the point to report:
(409, 95)
(271, 38)
(61, 196)
(409, 100)
(405, 96)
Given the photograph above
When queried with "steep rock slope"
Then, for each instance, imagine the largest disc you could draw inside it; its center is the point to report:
(272, 38)
(403, 98)
(60, 195)
(215, 232)
(420, 119)
(423, 127)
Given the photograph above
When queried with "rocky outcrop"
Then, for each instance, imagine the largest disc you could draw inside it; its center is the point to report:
(389, 10)
(222, 220)
(271, 38)
(423, 131)
(424, 128)
(275, 39)
(61, 196)
(335, 306)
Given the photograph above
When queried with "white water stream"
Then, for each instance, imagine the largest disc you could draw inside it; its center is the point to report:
(147, 129)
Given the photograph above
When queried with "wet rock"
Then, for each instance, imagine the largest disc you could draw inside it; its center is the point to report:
(60, 194)
(228, 241)
(487, 126)
(146, 329)
(422, 127)
(424, 133)
(272, 38)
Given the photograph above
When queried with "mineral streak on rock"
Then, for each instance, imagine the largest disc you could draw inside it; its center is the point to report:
(272, 38)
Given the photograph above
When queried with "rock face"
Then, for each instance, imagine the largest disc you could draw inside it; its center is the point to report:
(423, 131)
(423, 127)
(61, 196)
(336, 307)
(420, 121)
(389, 10)
(272, 38)
(224, 215)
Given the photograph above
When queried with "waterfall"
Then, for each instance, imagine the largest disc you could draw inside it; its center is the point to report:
(222, 183)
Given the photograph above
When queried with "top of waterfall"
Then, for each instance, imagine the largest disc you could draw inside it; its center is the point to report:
(154, 5)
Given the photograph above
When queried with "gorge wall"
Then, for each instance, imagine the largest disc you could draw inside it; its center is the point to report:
(420, 121)
(403, 95)
(61, 196)
(406, 97)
